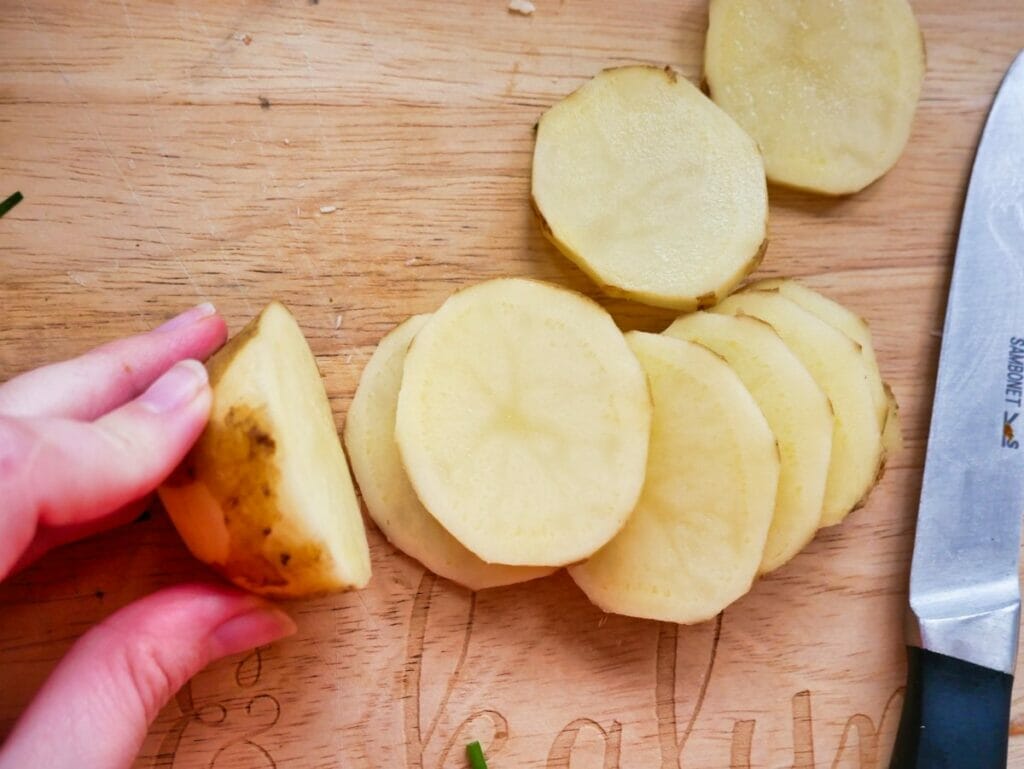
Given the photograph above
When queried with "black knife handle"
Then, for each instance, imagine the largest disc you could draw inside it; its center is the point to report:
(956, 715)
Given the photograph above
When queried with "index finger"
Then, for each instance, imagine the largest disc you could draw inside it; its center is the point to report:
(91, 385)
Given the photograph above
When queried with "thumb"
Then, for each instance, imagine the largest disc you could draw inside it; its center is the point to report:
(96, 707)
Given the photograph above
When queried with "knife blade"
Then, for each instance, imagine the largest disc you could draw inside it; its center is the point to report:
(964, 583)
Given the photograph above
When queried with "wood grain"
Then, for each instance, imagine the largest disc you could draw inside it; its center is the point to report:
(178, 151)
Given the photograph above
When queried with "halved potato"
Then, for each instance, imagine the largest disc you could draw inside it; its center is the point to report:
(827, 89)
(389, 497)
(841, 319)
(798, 413)
(265, 495)
(836, 363)
(650, 188)
(695, 541)
(523, 420)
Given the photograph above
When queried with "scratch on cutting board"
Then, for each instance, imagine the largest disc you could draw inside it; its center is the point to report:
(148, 84)
(268, 171)
(140, 321)
(318, 652)
(312, 267)
(320, 129)
(229, 267)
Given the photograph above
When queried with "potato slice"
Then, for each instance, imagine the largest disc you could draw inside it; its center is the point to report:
(827, 89)
(695, 541)
(523, 422)
(836, 363)
(389, 497)
(892, 433)
(798, 413)
(855, 327)
(265, 495)
(650, 188)
(841, 319)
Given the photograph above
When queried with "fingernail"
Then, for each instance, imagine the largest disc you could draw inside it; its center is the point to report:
(176, 388)
(187, 318)
(254, 628)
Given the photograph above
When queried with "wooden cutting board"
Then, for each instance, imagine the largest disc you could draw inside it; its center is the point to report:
(173, 152)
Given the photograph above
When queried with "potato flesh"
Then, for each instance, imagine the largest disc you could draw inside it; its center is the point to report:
(798, 413)
(695, 541)
(650, 188)
(387, 492)
(841, 319)
(827, 88)
(523, 422)
(836, 363)
(855, 327)
(265, 495)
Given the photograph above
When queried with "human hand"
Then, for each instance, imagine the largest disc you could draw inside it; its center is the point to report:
(82, 445)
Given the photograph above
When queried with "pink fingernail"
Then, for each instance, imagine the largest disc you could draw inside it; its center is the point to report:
(176, 388)
(254, 628)
(187, 318)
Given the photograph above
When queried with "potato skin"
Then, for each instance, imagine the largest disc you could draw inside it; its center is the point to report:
(224, 500)
(233, 465)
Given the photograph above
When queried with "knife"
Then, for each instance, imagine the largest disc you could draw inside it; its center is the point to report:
(964, 584)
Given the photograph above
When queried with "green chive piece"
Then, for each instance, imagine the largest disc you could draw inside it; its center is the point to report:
(10, 203)
(475, 754)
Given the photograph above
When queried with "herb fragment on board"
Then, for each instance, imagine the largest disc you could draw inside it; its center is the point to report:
(475, 754)
(10, 203)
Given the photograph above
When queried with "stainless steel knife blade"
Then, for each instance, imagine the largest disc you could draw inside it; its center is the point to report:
(964, 585)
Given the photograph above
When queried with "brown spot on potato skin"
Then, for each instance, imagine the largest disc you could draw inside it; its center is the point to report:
(261, 439)
(755, 262)
(879, 473)
(544, 226)
(704, 301)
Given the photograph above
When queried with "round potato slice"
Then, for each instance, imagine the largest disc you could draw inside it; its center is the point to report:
(389, 497)
(694, 544)
(827, 89)
(523, 420)
(265, 496)
(798, 413)
(837, 365)
(650, 188)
